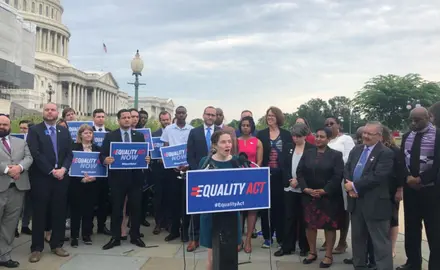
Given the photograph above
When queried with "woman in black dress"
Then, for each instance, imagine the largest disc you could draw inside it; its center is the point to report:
(319, 174)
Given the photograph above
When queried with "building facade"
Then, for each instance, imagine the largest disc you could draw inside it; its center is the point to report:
(154, 105)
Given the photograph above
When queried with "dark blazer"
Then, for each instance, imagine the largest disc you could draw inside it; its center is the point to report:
(105, 129)
(42, 151)
(115, 136)
(288, 150)
(432, 174)
(398, 175)
(196, 146)
(373, 188)
(264, 137)
(325, 174)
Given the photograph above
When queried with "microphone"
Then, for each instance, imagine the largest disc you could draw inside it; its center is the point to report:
(245, 162)
(208, 159)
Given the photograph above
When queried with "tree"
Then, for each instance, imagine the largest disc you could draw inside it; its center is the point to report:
(234, 123)
(196, 122)
(315, 112)
(261, 123)
(385, 97)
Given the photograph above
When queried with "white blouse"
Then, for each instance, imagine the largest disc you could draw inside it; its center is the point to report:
(343, 144)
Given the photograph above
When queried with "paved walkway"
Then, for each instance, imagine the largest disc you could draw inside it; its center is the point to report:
(167, 256)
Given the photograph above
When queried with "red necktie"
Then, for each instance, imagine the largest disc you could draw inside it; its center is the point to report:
(5, 143)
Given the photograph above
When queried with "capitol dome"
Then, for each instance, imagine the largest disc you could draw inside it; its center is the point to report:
(52, 37)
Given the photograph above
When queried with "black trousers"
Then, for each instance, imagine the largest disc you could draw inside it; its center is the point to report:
(162, 181)
(276, 210)
(48, 195)
(83, 198)
(295, 227)
(146, 194)
(176, 201)
(422, 205)
(103, 202)
(129, 186)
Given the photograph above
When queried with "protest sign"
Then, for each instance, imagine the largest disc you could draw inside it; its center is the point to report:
(147, 135)
(174, 156)
(129, 155)
(75, 125)
(157, 144)
(87, 162)
(98, 137)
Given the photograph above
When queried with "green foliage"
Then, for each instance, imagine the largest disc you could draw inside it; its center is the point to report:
(261, 123)
(153, 124)
(234, 123)
(385, 97)
(196, 122)
(36, 119)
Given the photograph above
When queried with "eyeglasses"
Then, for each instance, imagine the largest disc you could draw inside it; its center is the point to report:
(210, 114)
(330, 124)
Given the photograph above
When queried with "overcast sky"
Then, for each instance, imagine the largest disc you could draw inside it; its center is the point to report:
(251, 54)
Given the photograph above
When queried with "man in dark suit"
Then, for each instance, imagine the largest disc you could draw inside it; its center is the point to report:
(123, 183)
(199, 145)
(161, 178)
(51, 149)
(366, 174)
(103, 190)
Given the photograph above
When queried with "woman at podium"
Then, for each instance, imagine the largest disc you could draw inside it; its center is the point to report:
(221, 141)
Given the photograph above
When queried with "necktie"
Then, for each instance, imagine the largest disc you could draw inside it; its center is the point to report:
(53, 138)
(414, 159)
(208, 138)
(5, 143)
(100, 129)
(126, 137)
(360, 165)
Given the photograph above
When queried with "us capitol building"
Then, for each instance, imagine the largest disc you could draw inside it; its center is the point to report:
(34, 65)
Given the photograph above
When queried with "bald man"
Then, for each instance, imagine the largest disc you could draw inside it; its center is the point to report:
(421, 149)
(15, 160)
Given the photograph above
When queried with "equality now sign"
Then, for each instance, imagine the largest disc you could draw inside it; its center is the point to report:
(129, 155)
(87, 163)
(227, 190)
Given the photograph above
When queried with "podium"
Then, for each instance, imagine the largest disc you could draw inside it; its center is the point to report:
(224, 192)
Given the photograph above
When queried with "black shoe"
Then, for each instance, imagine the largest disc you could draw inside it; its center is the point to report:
(124, 238)
(104, 231)
(348, 261)
(372, 266)
(141, 235)
(111, 244)
(17, 234)
(303, 253)
(146, 223)
(311, 259)
(254, 235)
(87, 240)
(157, 230)
(74, 242)
(138, 242)
(171, 237)
(326, 265)
(281, 252)
(10, 264)
(26, 230)
(66, 238)
(408, 266)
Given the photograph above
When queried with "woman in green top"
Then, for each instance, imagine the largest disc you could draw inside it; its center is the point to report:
(222, 142)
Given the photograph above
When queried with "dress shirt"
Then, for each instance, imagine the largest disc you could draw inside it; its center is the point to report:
(98, 128)
(174, 135)
(212, 127)
(123, 133)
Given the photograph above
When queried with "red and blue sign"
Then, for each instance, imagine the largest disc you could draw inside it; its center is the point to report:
(147, 135)
(87, 163)
(227, 190)
(174, 156)
(74, 127)
(129, 155)
(157, 144)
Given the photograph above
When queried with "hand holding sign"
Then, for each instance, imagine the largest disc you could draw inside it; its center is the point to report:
(148, 159)
(108, 160)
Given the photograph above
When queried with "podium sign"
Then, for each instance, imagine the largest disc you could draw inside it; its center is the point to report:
(227, 190)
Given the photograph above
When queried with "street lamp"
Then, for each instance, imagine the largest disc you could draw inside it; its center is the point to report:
(136, 66)
(50, 92)
(409, 105)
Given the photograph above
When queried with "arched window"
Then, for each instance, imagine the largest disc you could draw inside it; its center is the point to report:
(41, 9)
(47, 11)
(33, 7)
(52, 13)
(24, 5)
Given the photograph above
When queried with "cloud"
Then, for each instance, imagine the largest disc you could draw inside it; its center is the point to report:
(256, 53)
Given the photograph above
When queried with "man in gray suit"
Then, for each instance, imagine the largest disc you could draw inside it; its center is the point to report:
(366, 175)
(15, 160)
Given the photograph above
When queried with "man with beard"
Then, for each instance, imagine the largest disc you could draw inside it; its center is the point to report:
(15, 160)
(161, 178)
(176, 134)
(220, 118)
(123, 183)
(51, 149)
(199, 145)
(421, 148)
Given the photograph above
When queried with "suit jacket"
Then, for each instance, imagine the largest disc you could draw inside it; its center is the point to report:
(42, 151)
(196, 146)
(231, 131)
(264, 137)
(288, 150)
(325, 173)
(20, 155)
(373, 187)
(105, 129)
(121, 175)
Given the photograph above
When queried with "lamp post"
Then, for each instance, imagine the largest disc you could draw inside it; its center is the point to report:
(137, 64)
(50, 92)
(409, 104)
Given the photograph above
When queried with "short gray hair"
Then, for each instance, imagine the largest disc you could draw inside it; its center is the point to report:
(377, 124)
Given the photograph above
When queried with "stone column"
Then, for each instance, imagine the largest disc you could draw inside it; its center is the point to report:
(86, 103)
(67, 47)
(78, 88)
(55, 43)
(94, 106)
(73, 105)
(69, 94)
(40, 39)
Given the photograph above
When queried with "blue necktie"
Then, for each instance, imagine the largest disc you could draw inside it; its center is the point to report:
(126, 137)
(360, 165)
(53, 138)
(208, 138)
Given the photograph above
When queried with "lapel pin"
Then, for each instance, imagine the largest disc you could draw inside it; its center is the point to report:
(372, 158)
